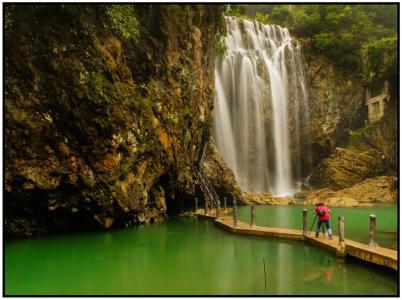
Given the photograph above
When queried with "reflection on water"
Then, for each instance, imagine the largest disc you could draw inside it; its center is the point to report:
(356, 220)
(190, 257)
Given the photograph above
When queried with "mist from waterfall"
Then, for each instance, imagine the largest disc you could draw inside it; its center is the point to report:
(261, 110)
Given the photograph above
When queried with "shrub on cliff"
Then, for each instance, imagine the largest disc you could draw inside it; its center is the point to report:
(382, 58)
(124, 21)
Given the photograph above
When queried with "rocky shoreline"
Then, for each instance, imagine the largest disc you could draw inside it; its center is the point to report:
(381, 189)
(356, 193)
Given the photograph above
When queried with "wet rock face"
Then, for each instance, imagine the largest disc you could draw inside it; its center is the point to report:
(224, 182)
(100, 130)
(345, 168)
(382, 136)
(337, 119)
(381, 189)
(220, 175)
(336, 104)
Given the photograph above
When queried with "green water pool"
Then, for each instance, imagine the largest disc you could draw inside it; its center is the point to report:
(183, 257)
(356, 220)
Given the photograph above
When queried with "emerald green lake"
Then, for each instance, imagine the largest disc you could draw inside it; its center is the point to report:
(185, 257)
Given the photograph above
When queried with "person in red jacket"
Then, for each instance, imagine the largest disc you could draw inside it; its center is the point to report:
(323, 217)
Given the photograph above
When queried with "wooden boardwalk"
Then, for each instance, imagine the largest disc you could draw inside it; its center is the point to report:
(377, 255)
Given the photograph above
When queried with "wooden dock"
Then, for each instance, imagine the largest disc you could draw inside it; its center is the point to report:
(376, 255)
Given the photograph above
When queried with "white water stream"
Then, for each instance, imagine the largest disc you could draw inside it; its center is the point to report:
(261, 111)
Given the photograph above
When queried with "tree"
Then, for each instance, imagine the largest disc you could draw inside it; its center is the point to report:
(345, 34)
(381, 58)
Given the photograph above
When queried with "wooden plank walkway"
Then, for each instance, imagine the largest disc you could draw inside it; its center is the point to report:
(377, 255)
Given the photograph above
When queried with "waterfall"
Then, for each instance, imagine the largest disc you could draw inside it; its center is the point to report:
(261, 110)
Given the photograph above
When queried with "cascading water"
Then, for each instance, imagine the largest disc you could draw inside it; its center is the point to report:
(261, 112)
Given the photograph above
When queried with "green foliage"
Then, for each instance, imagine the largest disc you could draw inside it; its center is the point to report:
(172, 118)
(123, 170)
(180, 13)
(145, 95)
(323, 41)
(99, 90)
(369, 128)
(124, 21)
(280, 15)
(220, 48)
(382, 57)
(357, 139)
(235, 10)
(262, 18)
(102, 93)
(187, 113)
(343, 33)
(382, 15)
(357, 38)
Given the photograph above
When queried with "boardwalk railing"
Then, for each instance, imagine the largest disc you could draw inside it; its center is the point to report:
(211, 198)
(342, 247)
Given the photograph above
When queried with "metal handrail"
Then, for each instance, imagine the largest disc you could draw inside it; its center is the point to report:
(202, 184)
(206, 187)
(210, 186)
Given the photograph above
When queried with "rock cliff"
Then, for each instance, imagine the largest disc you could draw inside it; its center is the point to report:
(103, 119)
(345, 148)
(345, 168)
(220, 175)
(381, 189)
(336, 103)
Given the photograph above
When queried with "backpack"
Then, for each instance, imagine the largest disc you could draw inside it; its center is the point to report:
(321, 212)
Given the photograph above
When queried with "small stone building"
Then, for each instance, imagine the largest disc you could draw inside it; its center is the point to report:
(376, 101)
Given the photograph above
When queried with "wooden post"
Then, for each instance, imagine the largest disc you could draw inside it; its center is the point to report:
(234, 213)
(341, 249)
(341, 226)
(206, 205)
(372, 242)
(218, 208)
(305, 222)
(224, 204)
(196, 204)
(252, 208)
